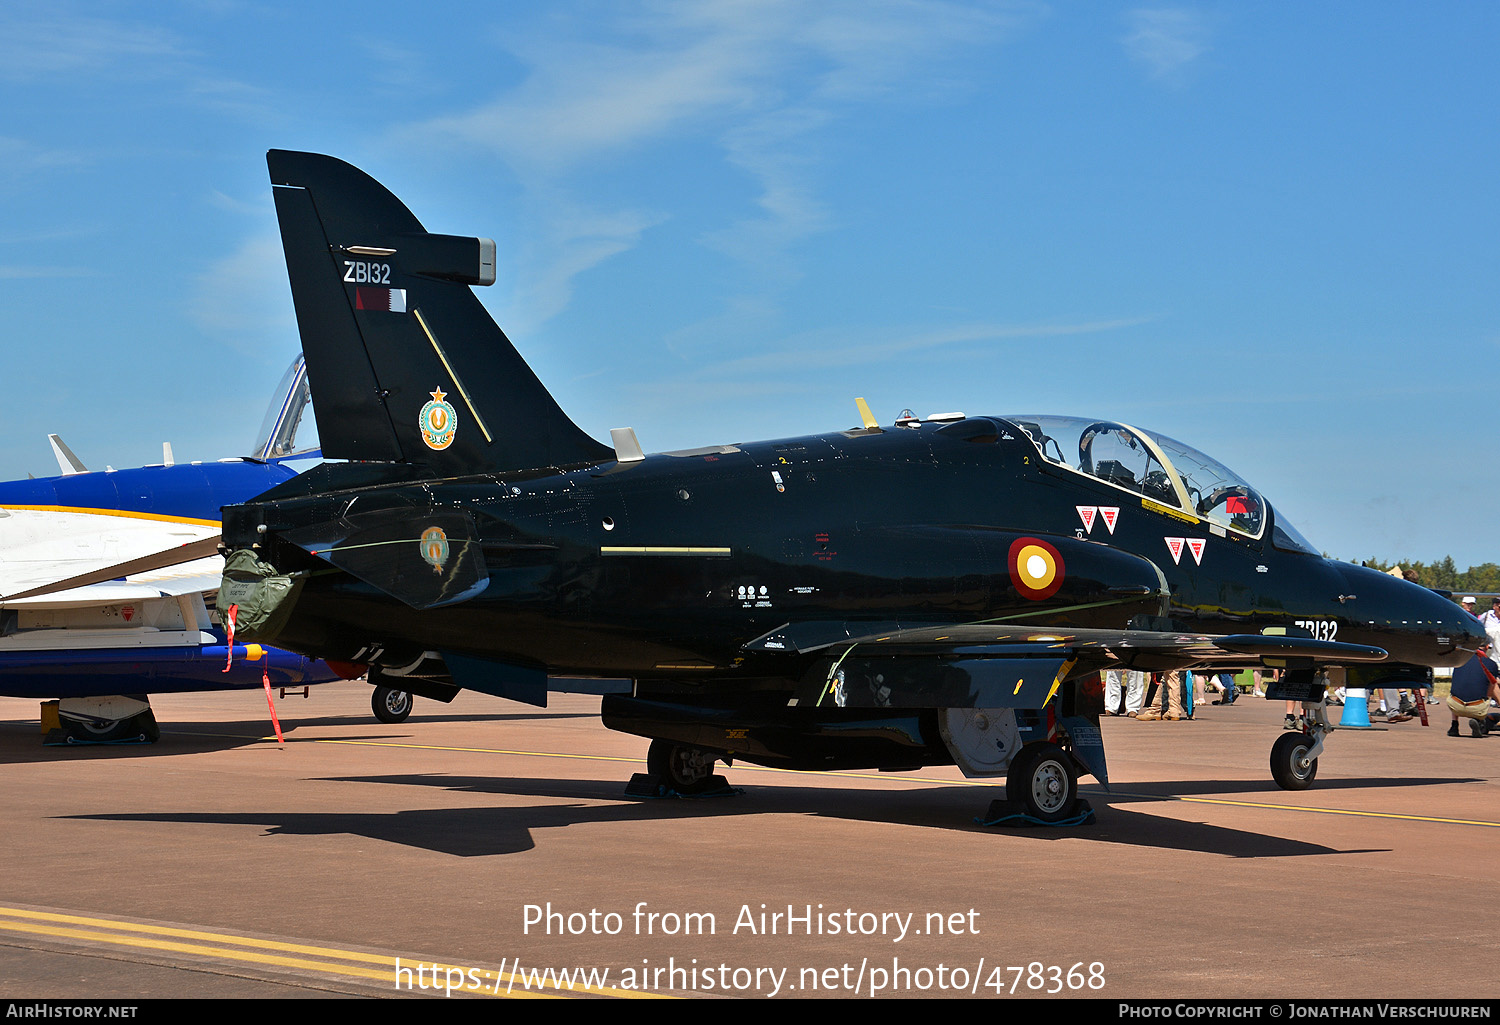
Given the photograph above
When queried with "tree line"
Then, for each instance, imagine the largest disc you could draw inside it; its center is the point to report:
(1444, 575)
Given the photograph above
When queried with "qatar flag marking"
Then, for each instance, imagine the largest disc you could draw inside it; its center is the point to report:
(1195, 545)
(391, 300)
(1109, 514)
(1087, 514)
(1174, 545)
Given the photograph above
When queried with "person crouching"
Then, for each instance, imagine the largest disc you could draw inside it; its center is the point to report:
(1474, 684)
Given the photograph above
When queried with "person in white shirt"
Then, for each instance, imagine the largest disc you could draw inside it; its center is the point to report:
(1491, 621)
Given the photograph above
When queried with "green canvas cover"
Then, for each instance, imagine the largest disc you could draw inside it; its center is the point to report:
(264, 597)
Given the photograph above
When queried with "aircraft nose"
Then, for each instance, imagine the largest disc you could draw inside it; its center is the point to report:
(1436, 629)
(1471, 631)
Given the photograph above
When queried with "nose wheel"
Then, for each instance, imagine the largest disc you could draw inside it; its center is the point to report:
(1294, 756)
(1291, 766)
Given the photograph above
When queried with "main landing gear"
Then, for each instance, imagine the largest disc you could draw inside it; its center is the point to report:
(1041, 778)
(678, 770)
(112, 719)
(390, 705)
(683, 768)
(1043, 781)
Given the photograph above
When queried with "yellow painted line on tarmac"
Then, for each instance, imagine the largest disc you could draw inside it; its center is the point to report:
(169, 939)
(1317, 811)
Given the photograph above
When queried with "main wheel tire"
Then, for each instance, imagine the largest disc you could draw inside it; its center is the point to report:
(89, 731)
(686, 769)
(390, 705)
(1290, 766)
(1043, 780)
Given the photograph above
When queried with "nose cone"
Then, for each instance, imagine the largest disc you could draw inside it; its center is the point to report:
(1415, 624)
(1474, 632)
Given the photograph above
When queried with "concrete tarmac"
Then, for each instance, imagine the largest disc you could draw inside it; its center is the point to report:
(493, 840)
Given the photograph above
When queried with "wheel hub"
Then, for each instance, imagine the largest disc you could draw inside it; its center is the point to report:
(690, 765)
(1047, 786)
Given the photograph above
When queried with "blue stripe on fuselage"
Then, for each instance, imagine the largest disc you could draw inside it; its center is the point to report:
(186, 490)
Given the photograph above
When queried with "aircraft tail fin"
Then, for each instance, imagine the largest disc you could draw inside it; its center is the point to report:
(405, 364)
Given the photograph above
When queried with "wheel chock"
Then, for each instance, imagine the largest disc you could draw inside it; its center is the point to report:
(643, 786)
(1006, 812)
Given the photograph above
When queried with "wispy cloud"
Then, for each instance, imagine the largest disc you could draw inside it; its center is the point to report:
(20, 157)
(21, 271)
(398, 69)
(572, 241)
(804, 364)
(814, 352)
(55, 44)
(46, 40)
(244, 298)
(1165, 41)
(758, 78)
(260, 206)
(667, 67)
(773, 151)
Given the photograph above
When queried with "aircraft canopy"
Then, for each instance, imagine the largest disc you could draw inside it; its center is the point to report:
(1161, 469)
(278, 437)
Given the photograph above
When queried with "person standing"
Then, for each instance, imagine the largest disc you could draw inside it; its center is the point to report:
(1491, 621)
(1170, 704)
(1135, 691)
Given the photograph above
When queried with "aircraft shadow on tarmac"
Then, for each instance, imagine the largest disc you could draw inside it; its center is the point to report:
(366, 720)
(485, 832)
(21, 741)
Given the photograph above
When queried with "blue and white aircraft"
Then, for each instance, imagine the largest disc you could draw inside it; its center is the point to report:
(106, 643)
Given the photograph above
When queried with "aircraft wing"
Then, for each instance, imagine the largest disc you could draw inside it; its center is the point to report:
(64, 576)
(996, 665)
(201, 576)
(76, 581)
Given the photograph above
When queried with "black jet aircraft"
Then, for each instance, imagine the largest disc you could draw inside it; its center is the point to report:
(942, 590)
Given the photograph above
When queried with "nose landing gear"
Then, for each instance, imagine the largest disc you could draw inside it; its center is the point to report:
(1294, 756)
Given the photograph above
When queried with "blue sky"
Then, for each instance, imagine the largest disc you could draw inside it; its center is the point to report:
(1269, 230)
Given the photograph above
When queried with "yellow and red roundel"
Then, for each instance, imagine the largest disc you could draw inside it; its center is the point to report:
(1036, 568)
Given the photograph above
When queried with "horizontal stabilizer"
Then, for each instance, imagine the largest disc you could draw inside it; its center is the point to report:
(425, 559)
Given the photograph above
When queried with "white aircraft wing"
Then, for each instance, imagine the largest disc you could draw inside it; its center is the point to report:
(40, 547)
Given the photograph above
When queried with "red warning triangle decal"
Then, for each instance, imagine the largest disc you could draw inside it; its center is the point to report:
(1109, 513)
(1195, 545)
(1174, 545)
(1087, 513)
